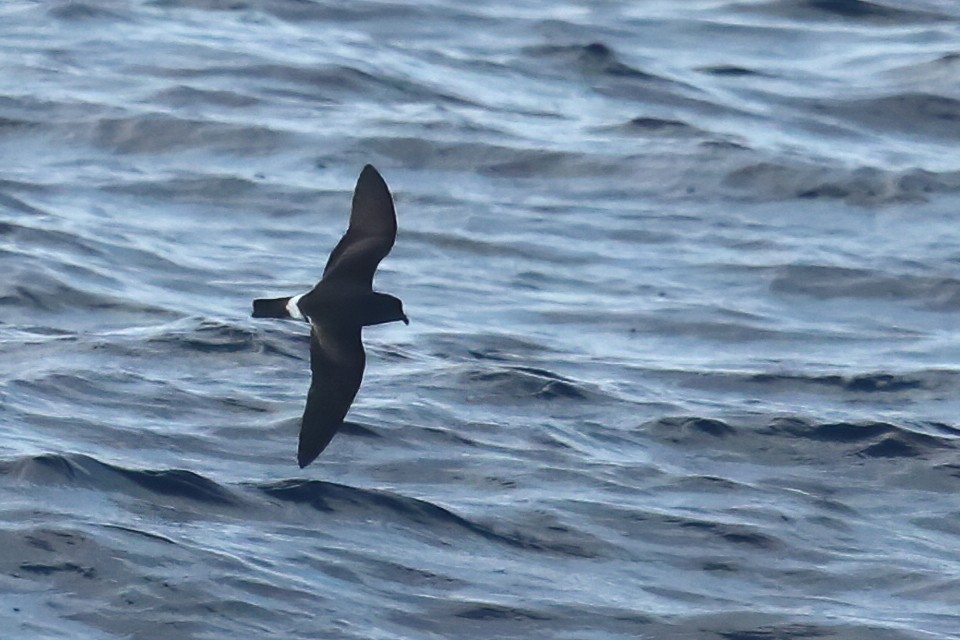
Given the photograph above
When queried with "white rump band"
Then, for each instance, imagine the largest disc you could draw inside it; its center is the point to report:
(293, 309)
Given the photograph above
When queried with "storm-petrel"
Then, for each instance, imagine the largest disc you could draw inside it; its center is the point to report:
(337, 308)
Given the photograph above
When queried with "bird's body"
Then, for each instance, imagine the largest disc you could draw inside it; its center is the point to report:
(337, 308)
(332, 305)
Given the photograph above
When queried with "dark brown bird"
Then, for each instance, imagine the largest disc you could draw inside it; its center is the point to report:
(337, 308)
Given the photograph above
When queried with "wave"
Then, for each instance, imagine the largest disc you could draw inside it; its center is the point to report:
(364, 504)
(160, 133)
(40, 290)
(13, 203)
(880, 382)
(858, 10)
(595, 58)
(73, 11)
(859, 186)
(870, 439)
(80, 470)
(826, 282)
(917, 114)
(212, 336)
(521, 383)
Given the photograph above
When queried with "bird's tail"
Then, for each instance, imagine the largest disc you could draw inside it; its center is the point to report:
(271, 308)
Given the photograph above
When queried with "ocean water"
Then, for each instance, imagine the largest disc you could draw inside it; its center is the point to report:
(683, 280)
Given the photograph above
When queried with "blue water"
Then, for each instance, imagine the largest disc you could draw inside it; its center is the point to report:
(684, 358)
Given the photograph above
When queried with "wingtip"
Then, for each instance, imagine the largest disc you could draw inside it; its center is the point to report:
(306, 456)
(370, 173)
(304, 460)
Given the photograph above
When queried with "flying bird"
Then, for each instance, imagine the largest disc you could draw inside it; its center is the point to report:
(337, 308)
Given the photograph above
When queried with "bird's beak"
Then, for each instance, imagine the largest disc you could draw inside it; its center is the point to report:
(405, 319)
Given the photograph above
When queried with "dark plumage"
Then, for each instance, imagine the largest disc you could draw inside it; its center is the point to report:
(337, 308)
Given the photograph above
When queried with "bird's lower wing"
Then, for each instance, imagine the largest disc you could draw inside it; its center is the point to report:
(336, 361)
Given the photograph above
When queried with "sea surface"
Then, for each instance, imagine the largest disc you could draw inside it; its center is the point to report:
(684, 289)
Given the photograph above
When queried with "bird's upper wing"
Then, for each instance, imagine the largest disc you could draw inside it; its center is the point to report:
(370, 236)
(337, 361)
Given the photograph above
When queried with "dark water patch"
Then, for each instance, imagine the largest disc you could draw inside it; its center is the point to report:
(108, 257)
(870, 383)
(826, 282)
(500, 616)
(461, 243)
(916, 114)
(657, 127)
(891, 448)
(499, 247)
(882, 439)
(598, 68)
(724, 147)
(40, 290)
(496, 160)
(734, 534)
(183, 96)
(210, 336)
(216, 189)
(862, 186)
(363, 504)
(139, 532)
(841, 432)
(53, 295)
(937, 76)
(442, 437)
(9, 125)
(161, 133)
(953, 469)
(359, 430)
(38, 543)
(860, 383)
(851, 10)
(179, 483)
(71, 294)
(84, 471)
(493, 347)
(597, 57)
(533, 163)
(400, 573)
(44, 111)
(329, 497)
(71, 11)
(498, 612)
(749, 625)
(12, 203)
(593, 59)
(729, 70)
(796, 438)
(384, 15)
(678, 322)
(97, 389)
(43, 468)
(47, 569)
(519, 383)
(941, 429)
(327, 83)
(684, 429)
(679, 532)
(780, 632)
(701, 484)
(30, 238)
